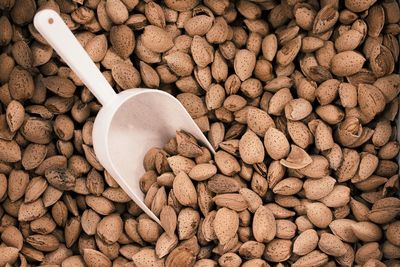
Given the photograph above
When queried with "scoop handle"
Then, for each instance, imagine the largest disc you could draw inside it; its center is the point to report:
(52, 27)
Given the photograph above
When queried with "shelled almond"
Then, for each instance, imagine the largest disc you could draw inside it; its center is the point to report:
(298, 98)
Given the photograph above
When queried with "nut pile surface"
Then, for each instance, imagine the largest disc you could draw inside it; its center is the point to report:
(298, 98)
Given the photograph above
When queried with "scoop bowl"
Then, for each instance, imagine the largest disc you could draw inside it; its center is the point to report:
(129, 123)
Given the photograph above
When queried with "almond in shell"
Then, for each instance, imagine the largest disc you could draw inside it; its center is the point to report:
(18, 180)
(218, 32)
(318, 188)
(188, 222)
(368, 251)
(22, 54)
(8, 64)
(348, 95)
(9, 255)
(223, 230)
(180, 63)
(97, 47)
(41, 53)
(264, 225)
(12, 237)
(319, 214)
(168, 220)
(102, 16)
(300, 134)
(367, 231)
(126, 75)
(253, 199)
(180, 256)
(180, 164)
(259, 121)
(3, 185)
(347, 63)
(244, 63)
(156, 39)
(342, 228)
(95, 258)
(318, 168)
(148, 230)
(392, 233)
(89, 221)
(15, 114)
(276, 144)
(306, 242)
(297, 109)
(35, 189)
(269, 46)
(149, 76)
(116, 11)
(331, 245)
(375, 20)
(184, 190)
(288, 186)
(389, 86)
(202, 51)
(181, 6)
(21, 84)
(278, 101)
(155, 14)
(232, 201)
(203, 171)
(348, 40)
(110, 228)
(31, 211)
(325, 19)
(60, 86)
(289, 51)
(314, 258)
(198, 25)
(7, 31)
(122, 40)
(357, 6)
(165, 244)
(251, 148)
(226, 163)
(370, 99)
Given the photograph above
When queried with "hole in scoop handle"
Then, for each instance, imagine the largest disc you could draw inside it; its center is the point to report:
(52, 27)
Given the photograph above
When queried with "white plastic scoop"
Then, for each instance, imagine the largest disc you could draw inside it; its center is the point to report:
(130, 122)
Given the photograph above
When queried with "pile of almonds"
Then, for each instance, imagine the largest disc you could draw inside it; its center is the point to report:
(298, 98)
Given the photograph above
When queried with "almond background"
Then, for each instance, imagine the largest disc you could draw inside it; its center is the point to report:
(298, 98)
